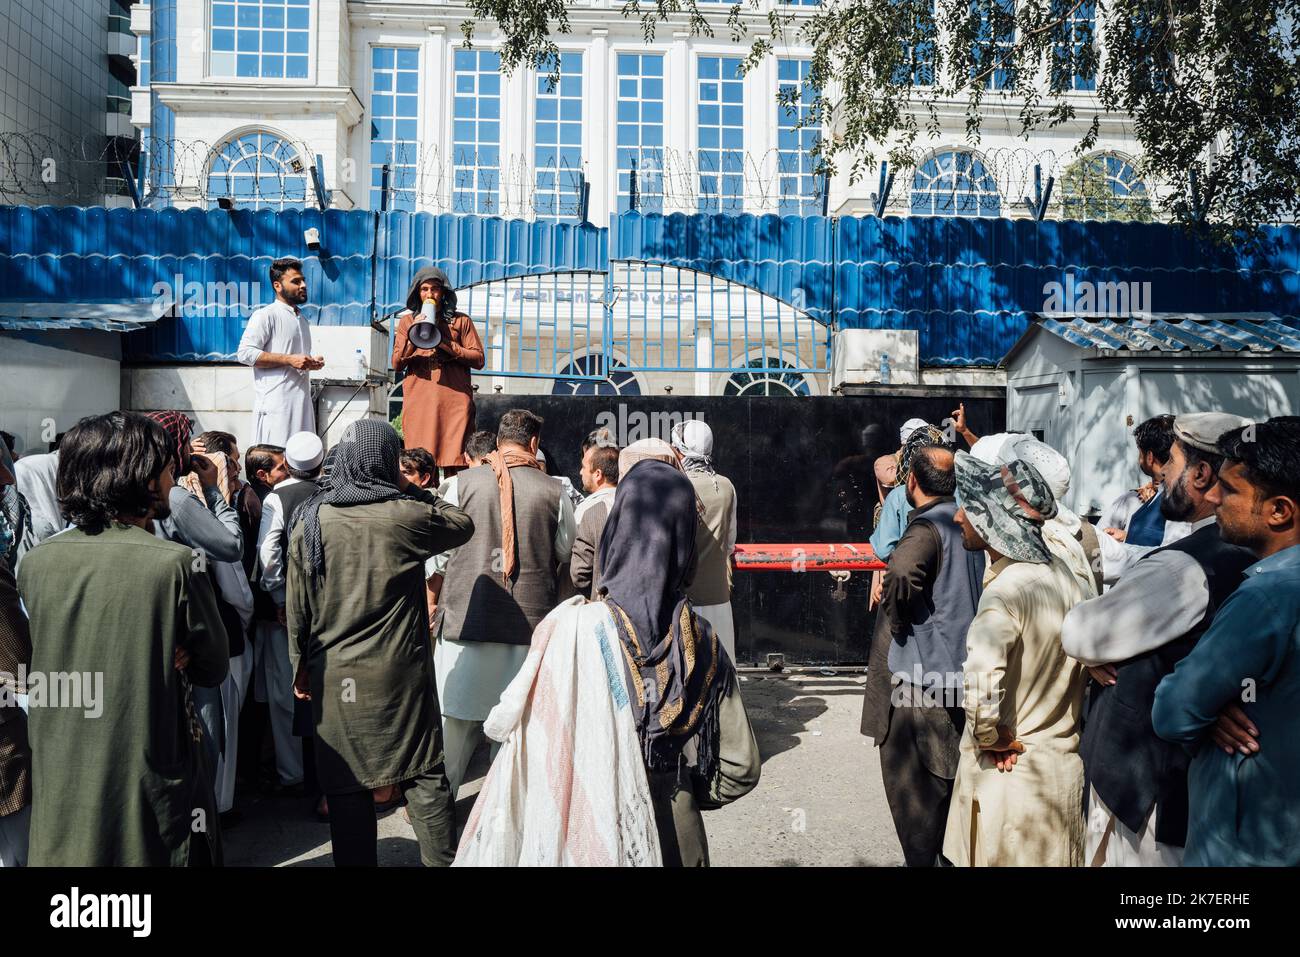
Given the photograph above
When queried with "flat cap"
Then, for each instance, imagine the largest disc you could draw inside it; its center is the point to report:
(1201, 430)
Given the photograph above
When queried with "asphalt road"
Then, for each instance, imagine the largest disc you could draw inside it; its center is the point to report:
(819, 802)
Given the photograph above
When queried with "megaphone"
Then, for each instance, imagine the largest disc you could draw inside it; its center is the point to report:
(424, 332)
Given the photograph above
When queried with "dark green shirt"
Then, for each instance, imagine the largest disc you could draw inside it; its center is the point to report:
(123, 786)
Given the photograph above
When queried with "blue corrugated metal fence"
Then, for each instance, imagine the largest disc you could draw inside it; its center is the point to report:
(968, 285)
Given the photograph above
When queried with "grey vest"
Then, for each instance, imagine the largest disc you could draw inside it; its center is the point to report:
(712, 582)
(478, 605)
(933, 651)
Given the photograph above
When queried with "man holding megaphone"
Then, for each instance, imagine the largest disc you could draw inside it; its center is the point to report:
(436, 346)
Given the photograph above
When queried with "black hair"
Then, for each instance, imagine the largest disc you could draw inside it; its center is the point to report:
(282, 266)
(1156, 435)
(106, 463)
(601, 436)
(931, 477)
(306, 475)
(604, 459)
(1270, 452)
(8, 440)
(420, 460)
(260, 458)
(1196, 456)
(519, 426)
(480, 445)
(215, 441)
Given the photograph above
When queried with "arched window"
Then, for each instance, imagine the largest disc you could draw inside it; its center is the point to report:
(770, 375)
(1104, 186)
(618, 380)
(258, 171)
(955, 183)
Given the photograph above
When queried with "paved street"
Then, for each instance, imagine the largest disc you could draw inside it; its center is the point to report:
(819, 803)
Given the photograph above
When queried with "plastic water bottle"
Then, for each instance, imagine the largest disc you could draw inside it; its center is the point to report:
(884, 368)
(363, 370)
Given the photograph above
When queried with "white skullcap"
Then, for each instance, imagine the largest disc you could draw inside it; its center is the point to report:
(304, 451)
(910, 426)
(693, 438)
(995, 449)
(1050, 463)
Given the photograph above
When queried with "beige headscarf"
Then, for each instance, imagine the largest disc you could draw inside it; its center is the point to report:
(646, 449)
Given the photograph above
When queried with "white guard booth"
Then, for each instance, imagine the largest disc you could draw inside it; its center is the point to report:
(1082, 384)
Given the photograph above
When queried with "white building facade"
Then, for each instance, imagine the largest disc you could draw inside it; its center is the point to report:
(259, 92)
(366, 82)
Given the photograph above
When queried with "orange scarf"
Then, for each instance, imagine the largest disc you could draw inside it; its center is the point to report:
(502, 461)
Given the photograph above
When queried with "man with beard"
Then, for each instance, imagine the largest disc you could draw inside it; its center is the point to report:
(277, 344)
(1234, 697)
(1132, 637)
(912, 707)
(120, 779)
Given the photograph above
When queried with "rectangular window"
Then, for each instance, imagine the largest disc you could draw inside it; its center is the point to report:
(142, 66)
(918, 50)
(557, 153)
(394, 125)
(266, 39)
(993, 42)
(721, 130)
(797, 190)
(1069, 71)
(476, 132)
(640, 131)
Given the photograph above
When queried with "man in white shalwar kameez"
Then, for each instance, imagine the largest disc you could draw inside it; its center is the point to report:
(277, 344)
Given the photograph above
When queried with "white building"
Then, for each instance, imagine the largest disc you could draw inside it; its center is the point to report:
(65, 108)
(262, 87)
(1082, 384)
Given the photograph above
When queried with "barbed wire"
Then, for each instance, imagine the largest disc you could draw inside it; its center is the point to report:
(37, 168)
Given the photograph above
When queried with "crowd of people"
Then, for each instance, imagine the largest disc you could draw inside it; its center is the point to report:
(347, 626)
(350, 620)
(1046, 693)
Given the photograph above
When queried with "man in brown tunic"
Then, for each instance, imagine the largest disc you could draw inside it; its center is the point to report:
(437, 400)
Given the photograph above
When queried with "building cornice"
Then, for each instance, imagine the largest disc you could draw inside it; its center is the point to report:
(228, 97)
(419, 15)
(1086, 106)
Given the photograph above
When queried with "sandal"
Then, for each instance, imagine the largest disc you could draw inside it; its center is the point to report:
(393, 798)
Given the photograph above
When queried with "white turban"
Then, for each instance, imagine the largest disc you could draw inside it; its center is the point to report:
(910, 426)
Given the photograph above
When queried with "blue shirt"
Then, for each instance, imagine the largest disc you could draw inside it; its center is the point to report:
(893, 520)
(1243, 811)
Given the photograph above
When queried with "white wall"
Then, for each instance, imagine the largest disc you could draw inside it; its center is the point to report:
(47, 385)
(1089, 406)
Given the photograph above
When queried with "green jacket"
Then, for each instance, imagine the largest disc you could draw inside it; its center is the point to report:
(118, 780)
(363, 631)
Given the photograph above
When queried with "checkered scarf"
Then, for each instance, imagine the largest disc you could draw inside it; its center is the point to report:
(364, 471)
(924, 437)
(179, 428)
